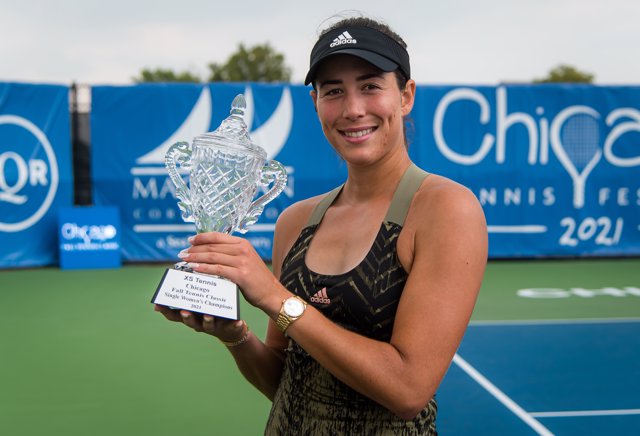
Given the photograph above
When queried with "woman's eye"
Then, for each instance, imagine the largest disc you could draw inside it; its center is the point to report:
(334, 91)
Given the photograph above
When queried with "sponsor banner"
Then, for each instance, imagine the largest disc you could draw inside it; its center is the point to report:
(35, 171)
(133, 126)
(89, 237)
(555, 167)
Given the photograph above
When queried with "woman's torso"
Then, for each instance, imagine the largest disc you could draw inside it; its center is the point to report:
(363, 299)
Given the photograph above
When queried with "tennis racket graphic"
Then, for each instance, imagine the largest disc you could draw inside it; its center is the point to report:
(575, 140)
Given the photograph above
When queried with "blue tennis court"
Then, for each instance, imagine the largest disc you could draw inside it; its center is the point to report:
(547, 377)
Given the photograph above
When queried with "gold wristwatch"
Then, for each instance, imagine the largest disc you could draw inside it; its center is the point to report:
(292, 309)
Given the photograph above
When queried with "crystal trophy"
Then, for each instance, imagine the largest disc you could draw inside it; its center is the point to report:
(225, 168)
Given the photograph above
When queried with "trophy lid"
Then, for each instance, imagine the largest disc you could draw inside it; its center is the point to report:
(233, 132)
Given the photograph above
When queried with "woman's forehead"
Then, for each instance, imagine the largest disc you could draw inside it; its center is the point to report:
(338, 65)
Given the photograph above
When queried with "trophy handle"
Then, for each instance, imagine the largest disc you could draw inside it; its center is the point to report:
(180, 153)
(272, 172)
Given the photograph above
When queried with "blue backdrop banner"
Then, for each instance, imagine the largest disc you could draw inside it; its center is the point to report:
(35, 171)
(133, 126)
(555, 167)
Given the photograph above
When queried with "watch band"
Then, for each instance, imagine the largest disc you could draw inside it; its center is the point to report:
(284, 320)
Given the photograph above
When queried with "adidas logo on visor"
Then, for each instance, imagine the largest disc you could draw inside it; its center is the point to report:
(343, 38)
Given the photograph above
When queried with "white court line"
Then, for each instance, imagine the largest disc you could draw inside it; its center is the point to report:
(572, 413)
(501, 396)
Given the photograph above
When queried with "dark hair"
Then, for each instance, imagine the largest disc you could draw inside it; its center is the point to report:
(361, 20)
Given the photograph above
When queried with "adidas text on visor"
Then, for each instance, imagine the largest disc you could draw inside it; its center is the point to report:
(364, 42)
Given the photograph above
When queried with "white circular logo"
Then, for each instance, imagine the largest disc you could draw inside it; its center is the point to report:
(10, 190)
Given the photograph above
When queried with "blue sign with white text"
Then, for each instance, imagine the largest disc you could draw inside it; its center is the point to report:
(555, 167)
(132, 127)
(35, 171)
(89, 237)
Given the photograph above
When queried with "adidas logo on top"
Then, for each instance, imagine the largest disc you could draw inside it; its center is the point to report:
(343, 38)
(321, 297)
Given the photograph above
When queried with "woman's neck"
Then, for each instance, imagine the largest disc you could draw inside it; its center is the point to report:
(376, 181)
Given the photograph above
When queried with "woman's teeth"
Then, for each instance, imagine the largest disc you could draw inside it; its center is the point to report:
(359, 133)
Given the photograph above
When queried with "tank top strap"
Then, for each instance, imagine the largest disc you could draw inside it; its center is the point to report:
(409, 184)
(322, 206)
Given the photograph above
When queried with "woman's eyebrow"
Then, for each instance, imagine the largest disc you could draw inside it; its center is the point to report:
(369, 76)
(330, 82)
(358, 79)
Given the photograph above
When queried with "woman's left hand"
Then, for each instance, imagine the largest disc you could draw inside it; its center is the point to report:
(234, 259)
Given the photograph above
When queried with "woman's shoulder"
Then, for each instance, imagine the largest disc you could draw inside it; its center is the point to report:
(441, 198)
(442, 215)
(438, 188)
(297, 214)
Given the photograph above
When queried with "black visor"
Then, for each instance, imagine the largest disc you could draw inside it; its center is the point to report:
(364, 42)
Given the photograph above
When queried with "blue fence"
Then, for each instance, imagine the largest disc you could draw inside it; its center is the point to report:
(556, 167)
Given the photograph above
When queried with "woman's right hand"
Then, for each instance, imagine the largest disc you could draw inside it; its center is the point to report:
(224, 329)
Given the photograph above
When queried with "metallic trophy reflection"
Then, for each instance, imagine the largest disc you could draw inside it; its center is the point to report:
(225, 169)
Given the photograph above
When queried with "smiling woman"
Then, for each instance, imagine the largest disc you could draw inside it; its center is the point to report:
(358, 107)
(373, 283)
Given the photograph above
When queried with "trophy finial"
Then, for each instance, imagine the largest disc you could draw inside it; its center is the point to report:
(239, 105)
(233, 131)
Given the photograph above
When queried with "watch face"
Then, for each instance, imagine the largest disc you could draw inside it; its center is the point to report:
(293, 307)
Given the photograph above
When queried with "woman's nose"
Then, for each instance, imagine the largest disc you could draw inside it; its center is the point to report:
(353, 106)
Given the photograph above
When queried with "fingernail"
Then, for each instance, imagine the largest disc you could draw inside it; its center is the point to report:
(191, 239)
(192, 265)
(184, 253)
(185, 315)
(207, 318)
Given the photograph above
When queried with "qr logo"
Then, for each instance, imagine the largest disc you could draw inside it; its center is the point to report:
(28, 174)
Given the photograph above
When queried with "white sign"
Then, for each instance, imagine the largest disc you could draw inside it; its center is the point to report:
(198, 293)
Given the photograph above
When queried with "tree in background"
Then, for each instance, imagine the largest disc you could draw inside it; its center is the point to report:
(566, 74)
(260, 63)
(165, 75)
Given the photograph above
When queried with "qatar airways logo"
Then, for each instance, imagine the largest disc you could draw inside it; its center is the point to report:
(28, 173)
(573, 136)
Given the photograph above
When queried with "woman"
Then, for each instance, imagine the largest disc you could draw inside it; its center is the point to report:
(374, 283)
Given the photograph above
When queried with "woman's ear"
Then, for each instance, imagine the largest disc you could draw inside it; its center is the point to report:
(408, 95)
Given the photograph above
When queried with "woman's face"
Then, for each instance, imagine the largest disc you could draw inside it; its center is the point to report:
(361, 108)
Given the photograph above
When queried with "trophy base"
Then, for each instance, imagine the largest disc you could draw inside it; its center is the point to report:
(181, 288)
